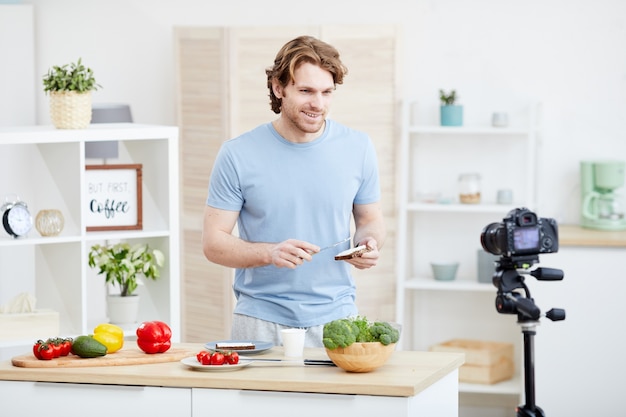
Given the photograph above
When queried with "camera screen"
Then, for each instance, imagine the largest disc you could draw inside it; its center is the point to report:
(526, 238)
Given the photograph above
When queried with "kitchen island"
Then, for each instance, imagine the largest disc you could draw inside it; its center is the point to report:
(409, 384)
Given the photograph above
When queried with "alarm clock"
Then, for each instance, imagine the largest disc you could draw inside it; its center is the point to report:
(16, 218)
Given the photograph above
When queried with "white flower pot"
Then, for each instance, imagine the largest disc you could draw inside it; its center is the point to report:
(122, 310)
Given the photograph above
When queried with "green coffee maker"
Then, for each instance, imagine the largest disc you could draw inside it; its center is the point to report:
(602, 203)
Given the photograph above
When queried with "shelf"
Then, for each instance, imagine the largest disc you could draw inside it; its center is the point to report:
(430, 284)
(462, 208)
(433, 224)
(468, 130)
(22, 135)
(46, 168)
(35, 241)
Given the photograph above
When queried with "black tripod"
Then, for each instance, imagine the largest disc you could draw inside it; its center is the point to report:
(507, 279)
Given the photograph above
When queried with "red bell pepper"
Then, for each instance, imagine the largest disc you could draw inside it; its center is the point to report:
(154, 337)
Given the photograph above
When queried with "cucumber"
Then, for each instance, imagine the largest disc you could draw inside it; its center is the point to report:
(88, 347)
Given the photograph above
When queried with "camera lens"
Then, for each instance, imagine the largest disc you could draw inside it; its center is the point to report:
(493, 238)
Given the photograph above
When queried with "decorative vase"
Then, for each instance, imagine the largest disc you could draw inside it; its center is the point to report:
(451, 115)
(70, 110)
(49, 222)
(122, 310)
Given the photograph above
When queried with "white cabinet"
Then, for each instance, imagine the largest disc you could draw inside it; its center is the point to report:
(95, 400)
(44, 166)
(438, 399)
(433, 226)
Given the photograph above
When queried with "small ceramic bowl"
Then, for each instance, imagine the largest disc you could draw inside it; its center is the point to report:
(444, 271)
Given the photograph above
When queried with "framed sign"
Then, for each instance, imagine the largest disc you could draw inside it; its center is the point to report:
(113, 197)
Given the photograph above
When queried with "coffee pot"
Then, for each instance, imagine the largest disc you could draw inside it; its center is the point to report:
(602, 202)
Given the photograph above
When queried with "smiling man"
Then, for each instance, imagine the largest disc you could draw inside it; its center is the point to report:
(293, 186)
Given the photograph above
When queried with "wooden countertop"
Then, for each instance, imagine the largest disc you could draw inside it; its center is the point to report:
(406, 374)
(574, 235)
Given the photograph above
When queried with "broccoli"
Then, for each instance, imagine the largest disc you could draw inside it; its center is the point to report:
(339, 333)
(384, 333)
(344, 332)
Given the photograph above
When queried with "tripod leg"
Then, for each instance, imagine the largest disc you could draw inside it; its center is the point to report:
(529, 409)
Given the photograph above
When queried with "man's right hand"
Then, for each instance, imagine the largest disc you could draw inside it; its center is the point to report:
(292, 252)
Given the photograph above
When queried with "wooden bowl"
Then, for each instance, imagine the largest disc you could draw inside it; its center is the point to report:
(361, 357)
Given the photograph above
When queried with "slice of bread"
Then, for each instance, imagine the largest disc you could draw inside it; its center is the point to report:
(235, 346)
(352, 253)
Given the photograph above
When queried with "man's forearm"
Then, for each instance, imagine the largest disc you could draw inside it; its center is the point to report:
(233, 252)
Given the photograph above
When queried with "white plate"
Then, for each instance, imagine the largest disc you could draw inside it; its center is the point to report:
(192, 362)
(260, 346)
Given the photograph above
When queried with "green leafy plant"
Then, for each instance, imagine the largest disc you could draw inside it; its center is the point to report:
(122, 264)
(448, 99)
(70, 77)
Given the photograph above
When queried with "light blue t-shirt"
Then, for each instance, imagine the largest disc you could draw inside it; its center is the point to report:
(285, 190)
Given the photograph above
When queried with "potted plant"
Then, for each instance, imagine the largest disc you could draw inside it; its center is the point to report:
(450, 112)
(70, 88)
(122, 264)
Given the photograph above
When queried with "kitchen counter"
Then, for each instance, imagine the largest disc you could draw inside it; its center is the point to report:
(407, 376)
(574, 235)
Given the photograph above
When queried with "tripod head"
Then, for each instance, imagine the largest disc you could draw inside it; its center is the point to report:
(509, 277)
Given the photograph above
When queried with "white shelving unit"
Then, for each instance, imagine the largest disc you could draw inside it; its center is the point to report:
(434, 226)
(44, 166)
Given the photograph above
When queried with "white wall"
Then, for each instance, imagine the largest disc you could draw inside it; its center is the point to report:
(498, 55)
(17, 89)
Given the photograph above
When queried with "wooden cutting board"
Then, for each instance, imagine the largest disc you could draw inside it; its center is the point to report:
(130, 355)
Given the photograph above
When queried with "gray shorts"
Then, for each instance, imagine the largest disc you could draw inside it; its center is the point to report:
(251, 328)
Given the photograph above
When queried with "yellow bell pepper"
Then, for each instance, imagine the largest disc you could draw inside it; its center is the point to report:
(109, 335)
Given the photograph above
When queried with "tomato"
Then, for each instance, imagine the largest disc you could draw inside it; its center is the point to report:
(202, 354)
(217, 358)
(36, 349)
(46, 351)
(232, 358)
(54, 345)
(66, 347)
(206, 359)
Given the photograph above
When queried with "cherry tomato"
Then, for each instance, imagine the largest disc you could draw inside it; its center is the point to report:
(232, 358)
(53, 345)
(202, 354)
(217, 358)
(206, 359)
(66, 347)
(46, 351)
(36, 349)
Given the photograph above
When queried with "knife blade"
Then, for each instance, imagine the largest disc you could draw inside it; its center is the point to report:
(335, 244)
(324, 362)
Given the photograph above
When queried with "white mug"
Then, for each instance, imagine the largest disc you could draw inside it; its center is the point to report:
(505, 196)
(293, 342)
(500, 119)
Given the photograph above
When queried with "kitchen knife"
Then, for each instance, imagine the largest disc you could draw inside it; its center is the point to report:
(325, 362)
(335, 244)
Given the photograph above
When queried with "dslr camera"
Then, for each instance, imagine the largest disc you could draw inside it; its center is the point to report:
(521, 233)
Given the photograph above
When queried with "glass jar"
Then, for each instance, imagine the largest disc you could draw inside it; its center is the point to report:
(469, 188)
(49, 222)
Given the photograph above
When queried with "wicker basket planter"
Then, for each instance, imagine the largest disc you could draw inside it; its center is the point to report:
(70, 110)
